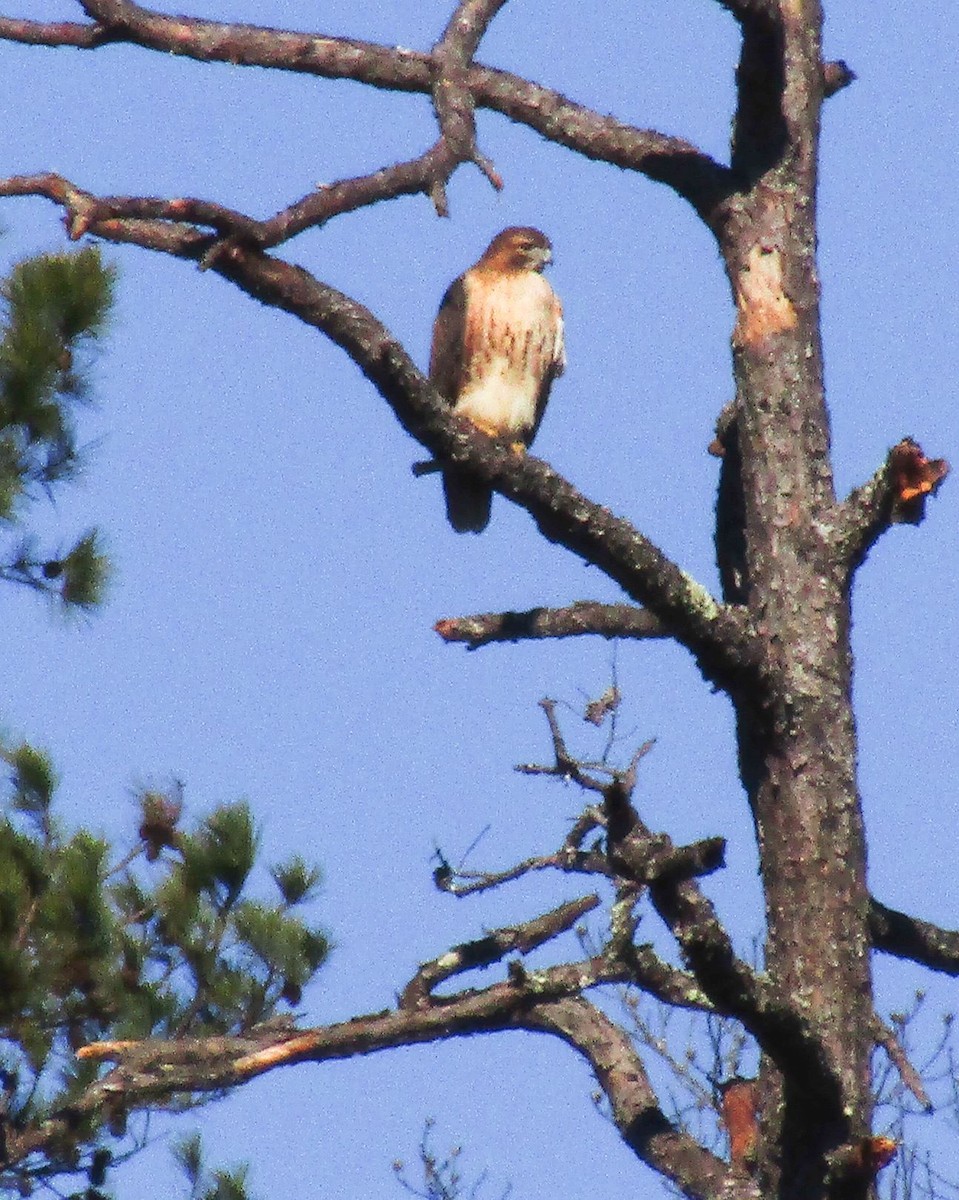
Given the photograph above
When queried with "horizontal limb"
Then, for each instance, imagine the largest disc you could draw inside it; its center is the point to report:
(575, 620)
(902, 936)
(669, 160)
(148, 1072)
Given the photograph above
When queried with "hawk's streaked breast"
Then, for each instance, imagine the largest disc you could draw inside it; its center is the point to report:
(513, 340)
(497, 347)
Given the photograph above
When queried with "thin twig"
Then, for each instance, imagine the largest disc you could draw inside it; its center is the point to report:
(886, 1037)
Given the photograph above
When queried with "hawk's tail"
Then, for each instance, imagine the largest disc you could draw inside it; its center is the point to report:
(468, 502)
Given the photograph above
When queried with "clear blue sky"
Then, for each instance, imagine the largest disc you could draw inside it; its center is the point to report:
(268, 634)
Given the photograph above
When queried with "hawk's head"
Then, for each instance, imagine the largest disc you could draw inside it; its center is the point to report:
(519, 248)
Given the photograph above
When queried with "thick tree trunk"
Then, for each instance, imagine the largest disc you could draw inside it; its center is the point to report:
(797, 741)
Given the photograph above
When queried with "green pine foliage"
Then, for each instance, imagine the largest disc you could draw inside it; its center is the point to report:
(181, 935)
(205, 1183)
(167, 941)
(54, 308)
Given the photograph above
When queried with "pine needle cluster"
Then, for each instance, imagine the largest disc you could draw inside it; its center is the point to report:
(54, 309)
(169, 940)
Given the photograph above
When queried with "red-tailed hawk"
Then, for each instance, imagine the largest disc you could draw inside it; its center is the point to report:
(497, 347)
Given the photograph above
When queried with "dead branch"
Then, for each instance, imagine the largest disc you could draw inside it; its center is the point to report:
(657, 978)
(147, 1072)
(886, 1037)
(635, 1109)
(902, 936)
(485, 951)
(719, 636)
(896, 494)
(575, 620)
(452, 100)
(55, 33)
(836, 76)
(567, 859)
(569, 768)
(669, 160)
(151, 1071)
(629, 962)
(640, 859)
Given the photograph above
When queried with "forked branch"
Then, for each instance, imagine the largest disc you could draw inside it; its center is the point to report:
(669, 160)
(452, 99)
(642, 860)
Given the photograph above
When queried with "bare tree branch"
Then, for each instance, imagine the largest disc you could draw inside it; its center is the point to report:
(641, 965)
(669, 160)
(642, 859)
(733, 988)
(492, 948)
(566, 859)
(636, 854)
(151, 1071)
(719, 636)
(635, 1108)
(902, 936)
(154, 1069)
(55, 33)
(836, 76)
(896, 494)
(575, 620)
(886, 1038)
(452, 100)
